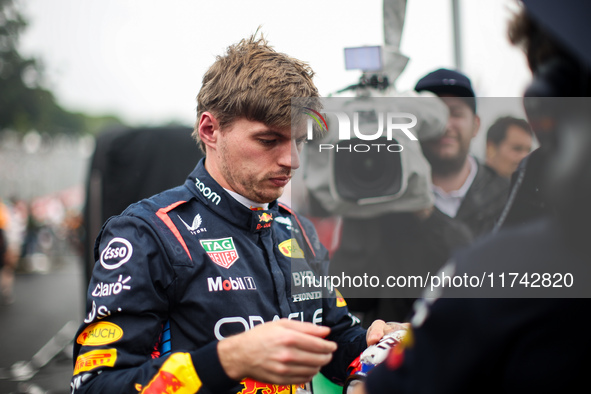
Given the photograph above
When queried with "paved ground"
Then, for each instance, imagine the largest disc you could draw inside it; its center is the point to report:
(45, 304)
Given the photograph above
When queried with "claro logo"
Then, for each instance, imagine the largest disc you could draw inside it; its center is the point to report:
(207, 192)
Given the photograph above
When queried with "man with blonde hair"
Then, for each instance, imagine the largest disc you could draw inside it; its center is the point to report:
(195, 289)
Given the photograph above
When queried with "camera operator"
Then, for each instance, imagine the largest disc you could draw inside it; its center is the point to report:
(389, 227)
(464, 189)
(542, 345)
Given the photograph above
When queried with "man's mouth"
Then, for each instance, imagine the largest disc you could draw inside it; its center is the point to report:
(447, 140)
(280, 181)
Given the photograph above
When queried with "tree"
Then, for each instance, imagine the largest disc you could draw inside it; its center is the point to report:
(24, 103)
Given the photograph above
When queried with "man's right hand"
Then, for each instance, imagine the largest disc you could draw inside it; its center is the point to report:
(281, 352)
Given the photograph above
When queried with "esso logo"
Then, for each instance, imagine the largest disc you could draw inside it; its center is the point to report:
(117, 253)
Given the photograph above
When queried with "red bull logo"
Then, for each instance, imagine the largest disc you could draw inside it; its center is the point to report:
(265, 217)
(163, 383)
(253, 387)
(264, 221)
(177, 375)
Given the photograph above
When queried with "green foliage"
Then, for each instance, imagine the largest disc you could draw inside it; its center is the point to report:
(24, 103)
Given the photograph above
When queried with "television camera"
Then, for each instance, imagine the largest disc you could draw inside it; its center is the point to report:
(368, 160)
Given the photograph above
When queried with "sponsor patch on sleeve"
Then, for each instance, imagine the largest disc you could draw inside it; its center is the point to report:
(95, 359)
(340, 299)
(251, 386)
(177, 375)
(222, 251)
(117, 253)
(290, 248)
(101, 333)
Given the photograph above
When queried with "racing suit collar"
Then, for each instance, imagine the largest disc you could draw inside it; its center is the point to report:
(218, 200)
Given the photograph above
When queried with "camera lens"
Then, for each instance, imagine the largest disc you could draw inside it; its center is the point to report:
(367, 169)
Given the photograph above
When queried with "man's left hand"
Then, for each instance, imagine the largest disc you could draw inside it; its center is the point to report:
(379, 328)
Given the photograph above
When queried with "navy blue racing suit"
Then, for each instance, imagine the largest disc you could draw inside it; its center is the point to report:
(196, 258)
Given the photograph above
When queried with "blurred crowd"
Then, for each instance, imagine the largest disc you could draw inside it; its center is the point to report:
(36, 234)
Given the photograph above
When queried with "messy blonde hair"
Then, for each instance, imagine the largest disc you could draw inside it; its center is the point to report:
(254, 82)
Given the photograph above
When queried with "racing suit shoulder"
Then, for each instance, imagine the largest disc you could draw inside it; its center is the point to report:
(164, 213)
(133, 288)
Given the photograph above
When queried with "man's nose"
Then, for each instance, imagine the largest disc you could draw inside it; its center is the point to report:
(291, 157)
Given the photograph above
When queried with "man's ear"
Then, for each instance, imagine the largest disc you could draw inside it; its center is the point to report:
(476, 125)
(491, 150)
(208, 129)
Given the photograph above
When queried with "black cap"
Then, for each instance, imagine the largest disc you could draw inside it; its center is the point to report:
(444, 81)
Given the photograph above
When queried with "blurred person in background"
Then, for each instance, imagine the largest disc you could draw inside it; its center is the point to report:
(464, 188)
(508, 141)
(6, 260)
(19, 217)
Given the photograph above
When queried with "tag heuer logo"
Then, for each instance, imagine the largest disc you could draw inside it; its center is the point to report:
(222, 251)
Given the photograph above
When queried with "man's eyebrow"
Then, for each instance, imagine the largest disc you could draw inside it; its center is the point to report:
(278, 134)
(456, 106)
(268, 133)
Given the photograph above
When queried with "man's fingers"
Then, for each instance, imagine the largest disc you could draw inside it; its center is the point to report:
(299, 366)
(307, 336)
(395, 326)
(302, 358)
(357, 389)
(285, 347)
(379, 328)
(375, 332)
(308, 343)
(305, 327)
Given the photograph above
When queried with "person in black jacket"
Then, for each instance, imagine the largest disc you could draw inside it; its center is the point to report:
(464, 188)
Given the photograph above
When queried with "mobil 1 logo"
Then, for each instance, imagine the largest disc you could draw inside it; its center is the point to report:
(237, 283)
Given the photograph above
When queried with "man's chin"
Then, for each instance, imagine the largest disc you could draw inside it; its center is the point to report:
(448, 153)
(446, 164)
(269, 195)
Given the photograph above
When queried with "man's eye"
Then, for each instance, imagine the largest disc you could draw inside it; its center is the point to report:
(301, 141)
(267, 142)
